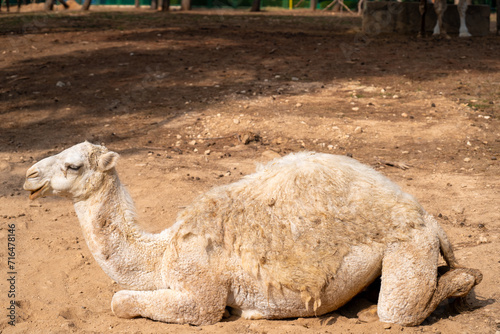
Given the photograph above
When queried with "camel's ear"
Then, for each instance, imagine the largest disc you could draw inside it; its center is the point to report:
(107, 161)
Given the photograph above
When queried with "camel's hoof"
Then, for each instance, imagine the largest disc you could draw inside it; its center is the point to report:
(123, 305)
(369, 314)
(464, 34)
(460, 305)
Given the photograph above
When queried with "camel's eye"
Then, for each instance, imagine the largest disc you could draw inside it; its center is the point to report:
(73, 168)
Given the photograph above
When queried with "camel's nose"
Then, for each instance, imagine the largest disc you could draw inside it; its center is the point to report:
(32, 173)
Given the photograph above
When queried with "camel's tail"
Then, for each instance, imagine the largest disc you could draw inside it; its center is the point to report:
(445, 245)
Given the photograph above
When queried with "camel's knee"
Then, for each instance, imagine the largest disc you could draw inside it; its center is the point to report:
(123, 305)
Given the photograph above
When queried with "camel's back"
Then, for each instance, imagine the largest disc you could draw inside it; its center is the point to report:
(294, 220)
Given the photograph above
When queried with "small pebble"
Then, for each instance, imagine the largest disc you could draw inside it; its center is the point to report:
(387, 326)
(466, 159)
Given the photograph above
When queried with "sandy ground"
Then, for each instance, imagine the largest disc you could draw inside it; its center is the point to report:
(195, 100)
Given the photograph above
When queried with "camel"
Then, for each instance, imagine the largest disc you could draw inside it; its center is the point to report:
(440, 8)
(300, 237)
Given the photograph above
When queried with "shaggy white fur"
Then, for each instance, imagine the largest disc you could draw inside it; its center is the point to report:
(300, 237)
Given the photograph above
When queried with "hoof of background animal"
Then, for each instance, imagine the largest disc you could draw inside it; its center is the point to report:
(464, 34)
(441, 36)
(369, 314)
(123, 305)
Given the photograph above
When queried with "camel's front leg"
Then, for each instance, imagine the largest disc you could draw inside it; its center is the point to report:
(171, 306)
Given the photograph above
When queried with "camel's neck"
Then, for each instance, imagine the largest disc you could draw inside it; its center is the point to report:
(128, 255)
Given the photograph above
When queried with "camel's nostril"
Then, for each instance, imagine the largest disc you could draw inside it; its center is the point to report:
(32, 174)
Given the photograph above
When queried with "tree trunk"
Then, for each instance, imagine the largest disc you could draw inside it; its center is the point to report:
(86, 4)
(498, 18)
(49, 5)
(314, 4)
(185, 4)
(137, 3)
(255, 6)
(165, 5)
(154, 4)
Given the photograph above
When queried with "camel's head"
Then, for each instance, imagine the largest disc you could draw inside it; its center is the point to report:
(75, 172)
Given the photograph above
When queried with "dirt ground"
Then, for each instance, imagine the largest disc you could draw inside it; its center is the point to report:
(195, 100)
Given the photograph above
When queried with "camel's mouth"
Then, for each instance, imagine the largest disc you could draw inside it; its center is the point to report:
(38, 192)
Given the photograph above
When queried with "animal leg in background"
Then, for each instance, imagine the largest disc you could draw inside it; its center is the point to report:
(439, 8)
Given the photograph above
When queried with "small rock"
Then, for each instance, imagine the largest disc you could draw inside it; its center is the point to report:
(493, 158)
(395, 96)
(433, 105)
(295, 79)
(270, 155)
(404, 114)
(387, 326)
(60, 84)
(207, 152)
(482, 240)
(355, 108)
(466, 159)
(358, 129)
(192, 142)
(236, 121)
(298, 105)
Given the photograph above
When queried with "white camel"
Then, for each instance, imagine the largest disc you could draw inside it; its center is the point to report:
(299, 238)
